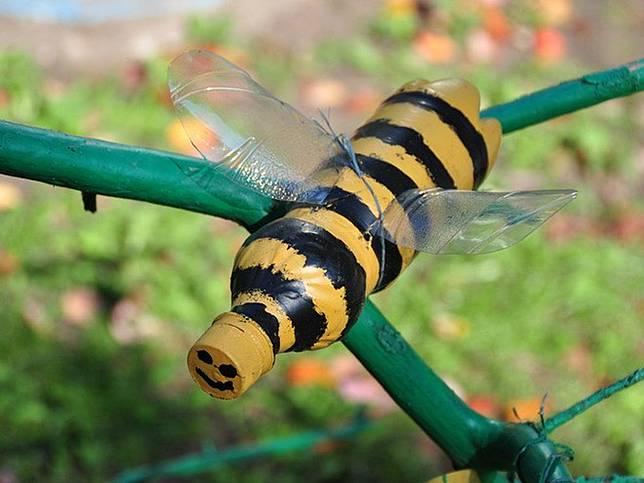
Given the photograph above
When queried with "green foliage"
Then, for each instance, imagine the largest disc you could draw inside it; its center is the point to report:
(398, 28)
(77, 402)
(21, 81)
(358, 53)
(209, 29)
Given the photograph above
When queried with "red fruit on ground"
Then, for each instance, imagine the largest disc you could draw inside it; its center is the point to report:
(8, 263)
(80, 306)
(629, 227)
(324, 93)
(364, 100)
(178, 139)
(4, 98)
(10, 196)
(555, 12)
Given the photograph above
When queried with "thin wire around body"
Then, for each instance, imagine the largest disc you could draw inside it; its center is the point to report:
(347, 147)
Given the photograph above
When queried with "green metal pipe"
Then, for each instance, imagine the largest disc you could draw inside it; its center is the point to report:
(569, 96)
(160, 177)
(121, 171)
(210, 458)
(416, 388)
(154, 176)
(471, 440)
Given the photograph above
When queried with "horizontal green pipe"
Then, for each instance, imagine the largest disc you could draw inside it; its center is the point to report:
(569, 96)
(121, 171)
(210, 459)
(137, 173)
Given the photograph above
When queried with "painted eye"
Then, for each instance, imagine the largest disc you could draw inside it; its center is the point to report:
(227, 370)
(204, 356)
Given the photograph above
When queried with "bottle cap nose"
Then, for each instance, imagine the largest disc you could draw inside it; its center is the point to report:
(230, 356)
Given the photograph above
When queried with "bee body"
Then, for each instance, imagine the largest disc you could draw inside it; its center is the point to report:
(300, 282)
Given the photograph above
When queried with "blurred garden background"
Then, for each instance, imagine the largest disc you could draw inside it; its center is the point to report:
(99, 310)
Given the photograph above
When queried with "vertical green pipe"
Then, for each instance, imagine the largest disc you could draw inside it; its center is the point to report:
(416, 388)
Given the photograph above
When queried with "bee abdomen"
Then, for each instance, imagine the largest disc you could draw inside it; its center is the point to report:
(413, 143)
(471, 139)
(301, 281)
(313, 276)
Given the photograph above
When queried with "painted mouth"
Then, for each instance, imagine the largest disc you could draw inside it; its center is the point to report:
(220, 386)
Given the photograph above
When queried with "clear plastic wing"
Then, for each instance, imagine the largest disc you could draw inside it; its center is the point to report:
(469, 222)
(248, 135)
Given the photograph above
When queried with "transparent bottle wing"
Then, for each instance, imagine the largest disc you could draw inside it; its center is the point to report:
(469, 222)
(248, 135)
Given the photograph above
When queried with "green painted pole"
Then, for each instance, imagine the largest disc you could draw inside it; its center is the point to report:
(569, 96)
(121, 171)
(163, 178)
(210, 458)
(417, 389)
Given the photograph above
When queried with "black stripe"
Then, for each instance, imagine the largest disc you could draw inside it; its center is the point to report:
(388, 175)
(393, 261)
(349, 205)
(322, 250)
(413, 143)
(218, 385)
(460, 124)
(292, 297)
(268, 322)
(397, 182)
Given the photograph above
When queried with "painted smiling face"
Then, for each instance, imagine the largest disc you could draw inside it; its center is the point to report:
(226, 375)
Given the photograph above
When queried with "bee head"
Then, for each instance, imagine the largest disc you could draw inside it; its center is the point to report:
(230, 356)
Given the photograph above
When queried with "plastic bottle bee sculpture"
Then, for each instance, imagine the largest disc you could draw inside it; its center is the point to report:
(359, 210)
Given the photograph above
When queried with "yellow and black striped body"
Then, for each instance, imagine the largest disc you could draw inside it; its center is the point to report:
(300, 281)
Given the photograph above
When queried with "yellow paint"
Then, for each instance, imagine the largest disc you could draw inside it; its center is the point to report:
(344, 230)
(234, 341)
(465, 97)
(396, 156)
(491, 131)
(438, 136)
(457, 92)
(286, 332)
(462, 476)
(351, 182)
(327, 300)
